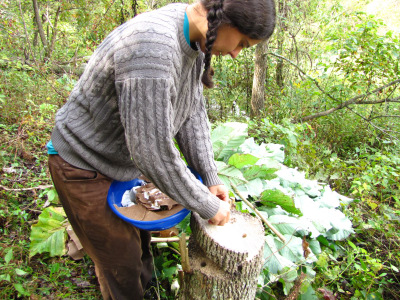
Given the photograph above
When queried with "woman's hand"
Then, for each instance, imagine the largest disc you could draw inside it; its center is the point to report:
(223, 214)
(220, 191)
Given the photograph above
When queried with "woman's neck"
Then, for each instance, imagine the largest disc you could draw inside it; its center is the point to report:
(198, 26)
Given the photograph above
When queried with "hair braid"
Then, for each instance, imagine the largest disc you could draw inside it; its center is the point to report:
(214, 18)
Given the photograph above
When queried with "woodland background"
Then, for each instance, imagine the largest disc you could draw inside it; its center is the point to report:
(326, 86)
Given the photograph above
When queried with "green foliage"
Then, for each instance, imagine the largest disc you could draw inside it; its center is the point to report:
(11, 273)
(379, 178)
(371, 175)
(345, 52)
(276, 197)
(297, 207)
(166, 269)
(227, 138)
(49, 234)
(362, 53)
(358, 273)
(25, 193)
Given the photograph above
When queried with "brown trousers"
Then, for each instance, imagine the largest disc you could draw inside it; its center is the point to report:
(120, 251)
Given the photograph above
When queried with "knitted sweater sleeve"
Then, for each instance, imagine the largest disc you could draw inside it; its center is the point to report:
(146, 114)
(195, 143)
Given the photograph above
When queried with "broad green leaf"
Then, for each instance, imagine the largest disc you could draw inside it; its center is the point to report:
(262, 172)
(288, 274)
(326, 243)
(21, 290)
(309, 294)
(229, 174)
(251, 147)
(263, 151)
(315, 246)
(320, 217)
(252, 188)
(287, 278)
(329, 198)
(271, 211)
(241, 160)
(226, 139)
(293, 225)
(274, 261)
(276, 151)
(169, 272)
(341, 225)
(20, 272)
(5, 277)
(52, 195)
(292, 249)
(49, 234)
(276, 197)
(9, 255)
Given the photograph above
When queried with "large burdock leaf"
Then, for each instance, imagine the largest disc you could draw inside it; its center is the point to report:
(241, 160)
(277, 197)
(274, 261)
(264, 151)
(341, 226)
(253, 188)
(229, 174)
(49, 234)
(262, 172)
(293, 250)
(293, 225)
(226, 139)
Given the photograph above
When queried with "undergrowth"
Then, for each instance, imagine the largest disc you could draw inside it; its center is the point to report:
(25, 183)
(366, 266)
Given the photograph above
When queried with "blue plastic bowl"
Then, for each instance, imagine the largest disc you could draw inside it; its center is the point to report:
(115, 193)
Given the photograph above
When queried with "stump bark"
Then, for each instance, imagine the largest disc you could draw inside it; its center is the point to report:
(225, 260)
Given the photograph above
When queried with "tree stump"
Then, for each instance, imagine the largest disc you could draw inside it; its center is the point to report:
(225, 260)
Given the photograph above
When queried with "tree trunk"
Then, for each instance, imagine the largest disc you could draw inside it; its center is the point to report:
(134, 7)
(54, 33)
(282, 12)
(225, 260)
(39, 24)
(260, 70)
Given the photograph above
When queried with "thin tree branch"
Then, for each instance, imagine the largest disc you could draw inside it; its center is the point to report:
(343, 104)
(53, 38)
(26, 32)
(385, 131)
(360, 99)
(39, 187)
(304, 73)
(385, 116)
(355, 100)
(395, 100)
(166, 240)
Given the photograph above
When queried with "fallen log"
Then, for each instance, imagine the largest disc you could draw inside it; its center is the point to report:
(225, 261)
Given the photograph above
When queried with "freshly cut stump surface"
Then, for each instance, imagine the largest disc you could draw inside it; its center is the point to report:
(225, 260)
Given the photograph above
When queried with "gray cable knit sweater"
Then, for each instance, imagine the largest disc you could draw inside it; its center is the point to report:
(140, 90)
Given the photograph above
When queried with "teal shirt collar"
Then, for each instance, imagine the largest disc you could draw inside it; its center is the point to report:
(186, 29)
(186, 33)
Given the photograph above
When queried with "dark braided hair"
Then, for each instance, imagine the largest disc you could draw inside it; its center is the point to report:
(253, 18)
